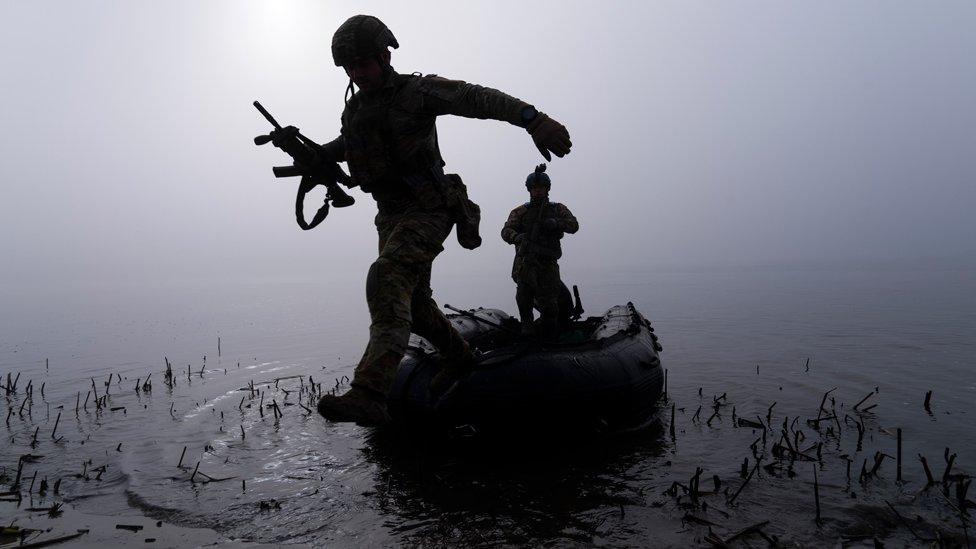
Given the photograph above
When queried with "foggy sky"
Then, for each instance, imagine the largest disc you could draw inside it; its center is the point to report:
(705, 134)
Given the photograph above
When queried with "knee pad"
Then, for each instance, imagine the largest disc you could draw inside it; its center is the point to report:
(377, 272)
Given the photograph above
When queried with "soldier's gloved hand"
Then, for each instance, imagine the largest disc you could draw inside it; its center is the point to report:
(287, 140)
(284, 136)
(549, 135)
(550, 224)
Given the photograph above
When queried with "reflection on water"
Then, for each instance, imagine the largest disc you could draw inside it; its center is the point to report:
(297, 478)
(523, 492)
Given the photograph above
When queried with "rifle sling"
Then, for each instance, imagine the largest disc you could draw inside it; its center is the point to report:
(307, 184)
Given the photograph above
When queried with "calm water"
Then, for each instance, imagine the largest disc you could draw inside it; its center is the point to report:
(901, 331)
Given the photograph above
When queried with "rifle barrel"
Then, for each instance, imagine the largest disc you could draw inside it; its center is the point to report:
(267, 115)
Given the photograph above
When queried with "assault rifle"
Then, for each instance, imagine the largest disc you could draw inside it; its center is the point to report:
(310, 166)
(530, 246)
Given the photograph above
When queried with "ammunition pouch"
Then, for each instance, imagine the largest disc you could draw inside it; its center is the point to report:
(466, 213)
(433, 189)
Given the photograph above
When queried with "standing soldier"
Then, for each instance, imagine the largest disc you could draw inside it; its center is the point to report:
(389, 140)
(536, 228)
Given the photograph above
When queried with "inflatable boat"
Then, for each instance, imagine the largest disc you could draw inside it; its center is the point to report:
(603, 375)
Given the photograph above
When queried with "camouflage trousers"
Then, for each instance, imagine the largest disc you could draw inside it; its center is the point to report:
(398, 294)
(539, 286)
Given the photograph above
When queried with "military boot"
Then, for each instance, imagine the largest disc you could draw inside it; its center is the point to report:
(361, 405)
(526, 314)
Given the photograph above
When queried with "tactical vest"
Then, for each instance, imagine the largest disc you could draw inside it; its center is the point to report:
(389, 141)
(545, 245)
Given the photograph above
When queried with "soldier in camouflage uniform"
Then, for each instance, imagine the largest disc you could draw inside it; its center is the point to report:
(389, 140)
(536, 228)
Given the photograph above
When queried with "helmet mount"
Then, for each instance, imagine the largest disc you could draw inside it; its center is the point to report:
(538, 178)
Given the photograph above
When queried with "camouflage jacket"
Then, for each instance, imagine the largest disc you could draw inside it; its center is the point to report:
(539, 242)
(389, 136)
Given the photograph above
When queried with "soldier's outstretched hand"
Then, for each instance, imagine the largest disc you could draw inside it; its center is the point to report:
(549, 135)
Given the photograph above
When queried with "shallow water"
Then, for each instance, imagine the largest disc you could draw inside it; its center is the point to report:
(900, 331)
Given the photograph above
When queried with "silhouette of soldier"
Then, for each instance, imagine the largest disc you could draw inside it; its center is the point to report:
(536, 228)
(389, 140)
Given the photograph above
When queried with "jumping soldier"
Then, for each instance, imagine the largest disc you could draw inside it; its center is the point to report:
(536, 228)
(389, 140)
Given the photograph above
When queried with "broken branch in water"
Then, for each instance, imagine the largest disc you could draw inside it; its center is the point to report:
(949, 462)
(214, 479)
(710, 418)
(693, 486)
(824, 401)
(55, 430)
(672, 421)
(862, 400)
(928, 472)
(815, 423)
(898, 457)
(748, 478)
(906, 524)
(54, 541)
(878, 459)
(816, 492)
(743, 422)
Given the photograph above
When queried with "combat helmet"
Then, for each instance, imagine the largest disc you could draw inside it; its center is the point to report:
(538, 178)
(361, 36)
